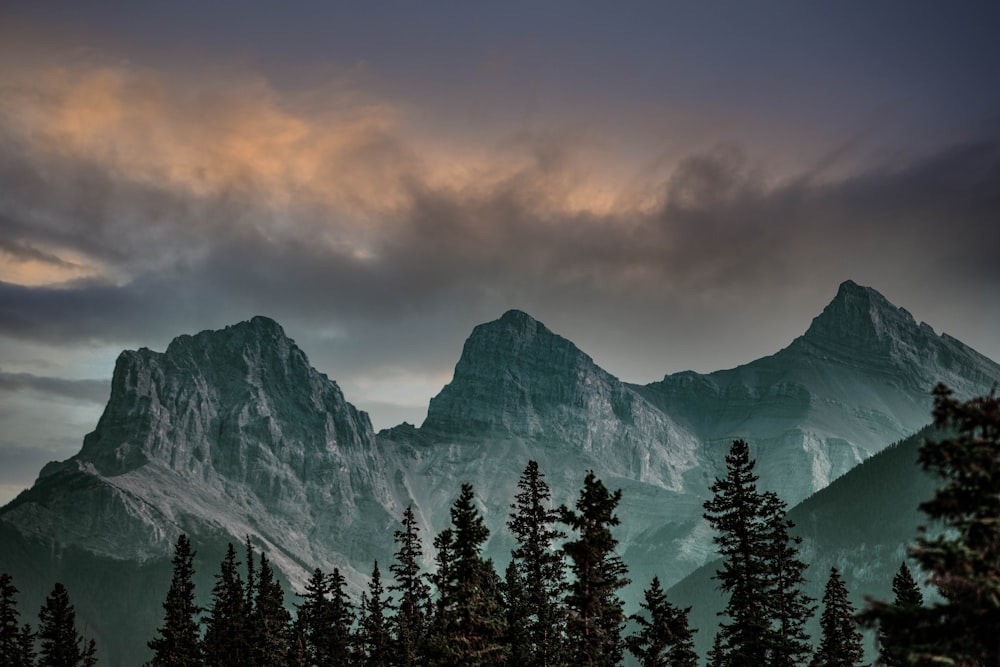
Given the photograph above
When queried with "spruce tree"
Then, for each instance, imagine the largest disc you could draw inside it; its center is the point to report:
(841, 643)
(410, 621)
(790, 608)
(736, 513)
(470, 625)
(533, 523)
(61, 644)
(373, 633)
(270, 620)
(895, 637)
(595, 611)
(664, 639)
(325, 617)
(226, 632)
(179, 638)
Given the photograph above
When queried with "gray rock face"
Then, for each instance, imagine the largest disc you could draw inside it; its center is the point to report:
(231, 433)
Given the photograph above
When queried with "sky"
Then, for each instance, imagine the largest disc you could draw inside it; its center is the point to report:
(670, 185)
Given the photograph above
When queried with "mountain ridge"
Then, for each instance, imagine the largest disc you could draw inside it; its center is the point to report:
(232, 433)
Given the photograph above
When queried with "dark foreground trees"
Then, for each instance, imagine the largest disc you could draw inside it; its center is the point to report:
(841, 642)
(761, 571)
(178, 641)
(664, 638)
(963, 557)
(61, 644)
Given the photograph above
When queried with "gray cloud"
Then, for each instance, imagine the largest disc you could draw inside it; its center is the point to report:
(91, 391)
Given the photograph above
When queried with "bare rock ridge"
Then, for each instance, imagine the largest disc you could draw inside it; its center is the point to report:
(232, 433)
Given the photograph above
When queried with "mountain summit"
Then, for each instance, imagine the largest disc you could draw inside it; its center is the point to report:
(231, 433)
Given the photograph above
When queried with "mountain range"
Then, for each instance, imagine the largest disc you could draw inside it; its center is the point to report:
(232, 433)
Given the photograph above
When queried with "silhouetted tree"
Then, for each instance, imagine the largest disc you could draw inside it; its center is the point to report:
(410, 621)
(9, 623)
(62, 646)
(595, 612)
(324, 620)
(736, 513)
(179, 638)
(270, 620)
(963, 559)
(664, 639)
(373, 633)
(473, 619)
(790, 608)
(226, 632)
(540, 566)
(841, 643)
(895, 637)
(517, 637)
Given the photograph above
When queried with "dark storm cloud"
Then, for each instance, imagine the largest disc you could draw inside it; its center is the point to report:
(91, 391)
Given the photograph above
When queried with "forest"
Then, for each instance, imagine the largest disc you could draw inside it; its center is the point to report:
(557, 601)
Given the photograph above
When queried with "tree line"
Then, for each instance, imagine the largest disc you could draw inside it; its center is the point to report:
(557, 602)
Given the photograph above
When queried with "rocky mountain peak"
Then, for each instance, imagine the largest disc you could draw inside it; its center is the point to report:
(862, 317)
(512, 375)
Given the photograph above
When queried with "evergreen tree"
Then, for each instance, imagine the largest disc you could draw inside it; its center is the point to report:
(62, 646)
(518, 616)
(664, 639)
(894, 636)
(410, 621)
(374, 636)
(9, 623)
(270, 620)
(717, 654)
(841, 643)
(250, 592)
(595, 611)
(226, 632)
(324, 620)
(470, 625)
(736, 513)
(790, 608)
(963, 559)
(24, 655)
(179, 638)
(540, 565)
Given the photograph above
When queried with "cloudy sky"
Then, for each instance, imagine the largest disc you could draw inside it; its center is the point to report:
(671, 185)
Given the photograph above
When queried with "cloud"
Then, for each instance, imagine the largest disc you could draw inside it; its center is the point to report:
(189, 204)
(91, 391)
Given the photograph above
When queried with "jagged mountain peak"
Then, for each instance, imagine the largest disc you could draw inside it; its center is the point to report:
(861, 315)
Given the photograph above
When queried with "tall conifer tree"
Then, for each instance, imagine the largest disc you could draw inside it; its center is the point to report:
(179, 638)
(736, 513)
(9, 623)
(374, 629)
(841, 643)
(270, 620)
(540, 566)
(226, 632)
(596, 615)
(664, 639)
(62, 645)
(413, 604)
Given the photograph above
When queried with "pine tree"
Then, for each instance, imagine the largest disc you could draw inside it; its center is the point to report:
(324, 620)
(595, 611)
(841, 643)
(62, 646)
(895, 638)
(226, 632)
(963, 559)
(179, 638)
(373, 633)
(411, 617)
(270, 620)
(790, 608)
(736, 513)
(540, 565)
(664, 639)
(470, 623)
(250, 592)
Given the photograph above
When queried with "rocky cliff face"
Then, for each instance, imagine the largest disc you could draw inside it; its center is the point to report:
(231, 433)
(859, 378)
